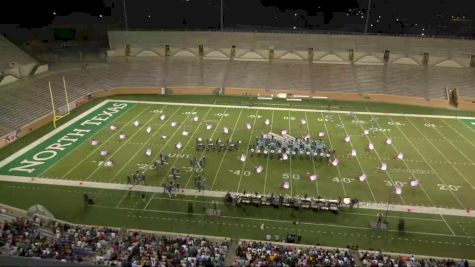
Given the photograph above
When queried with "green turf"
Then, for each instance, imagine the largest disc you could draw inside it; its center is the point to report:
(438, 152)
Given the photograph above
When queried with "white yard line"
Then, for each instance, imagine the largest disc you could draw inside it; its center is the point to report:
(247, 150)
(428, 164)
(149, 201)
(290, 164)
(313, 160)
(473, 130)
(186, 144)
(451, 143)
(455, 130)
(204, 150)
(122, 199)
(50, 134)
(284, 221)
(194, 192)
(442, 154)
(120, 147)
(380, 160)
(169, 138)
(67, 124)
(357, 159)
(225, 151)
(448, 226)
(331, 144)
(405, 164)
(267, 161)
(75, 148)
(102, 143)
(299, 109)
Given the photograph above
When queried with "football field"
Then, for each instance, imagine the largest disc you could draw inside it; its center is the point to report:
(438, 151)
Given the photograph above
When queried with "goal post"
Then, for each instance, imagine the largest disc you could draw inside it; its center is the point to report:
(62, 111)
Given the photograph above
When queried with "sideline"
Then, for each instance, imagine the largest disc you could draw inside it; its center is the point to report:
(295, 109)
(221, 194)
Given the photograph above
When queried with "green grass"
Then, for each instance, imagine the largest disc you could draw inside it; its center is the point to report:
(438, 152)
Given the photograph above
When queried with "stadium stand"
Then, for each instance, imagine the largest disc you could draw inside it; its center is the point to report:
(33, 238)
(42, 241)
(404, 75)
(253, 253)
(16, 64)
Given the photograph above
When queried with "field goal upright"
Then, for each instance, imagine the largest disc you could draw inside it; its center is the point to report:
(63, 110)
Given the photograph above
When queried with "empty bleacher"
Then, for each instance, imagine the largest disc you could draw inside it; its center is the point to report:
(26, 100)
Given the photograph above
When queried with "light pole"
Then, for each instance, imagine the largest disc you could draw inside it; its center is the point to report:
(367, 17)
(125, 16)
(222, 18)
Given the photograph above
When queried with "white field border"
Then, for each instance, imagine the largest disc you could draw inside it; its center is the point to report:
(21, 179)
(51, 134)
(207, 193)
(89, 111)
(298, 109)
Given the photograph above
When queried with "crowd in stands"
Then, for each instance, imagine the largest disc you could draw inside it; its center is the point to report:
(268, 254)
(112, 247)
(105, 246)
(375, 259)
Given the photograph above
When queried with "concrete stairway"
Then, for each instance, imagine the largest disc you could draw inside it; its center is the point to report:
(231, 253)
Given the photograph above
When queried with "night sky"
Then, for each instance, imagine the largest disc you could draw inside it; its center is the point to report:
(419, 17)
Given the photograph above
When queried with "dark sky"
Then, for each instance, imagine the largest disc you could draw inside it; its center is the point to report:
(430, 17)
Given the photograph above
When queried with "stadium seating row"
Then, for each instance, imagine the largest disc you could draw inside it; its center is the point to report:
(27, 100)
